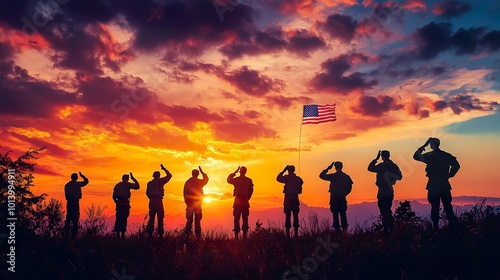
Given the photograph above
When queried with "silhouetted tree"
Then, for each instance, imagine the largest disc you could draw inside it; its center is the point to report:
(404, 215)
(21, 178)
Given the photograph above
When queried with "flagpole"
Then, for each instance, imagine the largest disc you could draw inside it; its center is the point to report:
(300, 137)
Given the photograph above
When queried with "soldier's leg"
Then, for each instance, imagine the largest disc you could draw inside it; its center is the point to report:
(117, 219)
(161, 215)
(295, 211)
(343, 214)
(197, 222)
(126, 214)
(335, 213)
(384, 204)
(296, 218)
(288, 213)
(448, 208)
(67, 222)
(296, 225)
(236, 228)
(288, 224)
(244, 215)
(151, 221)
(236, 215)
(75, 217)
(433, 198)
(122, 212)
(189, 220)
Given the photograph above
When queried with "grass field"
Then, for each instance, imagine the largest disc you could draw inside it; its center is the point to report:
(412, 251)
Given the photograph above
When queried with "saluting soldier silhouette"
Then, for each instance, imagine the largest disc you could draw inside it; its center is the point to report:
(340, 187)
(73, 194)
(121, 197)
(193, 197)
(243, 190)
(291, 204)
(155, 193)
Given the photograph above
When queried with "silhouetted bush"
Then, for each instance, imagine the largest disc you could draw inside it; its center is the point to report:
(95, 224)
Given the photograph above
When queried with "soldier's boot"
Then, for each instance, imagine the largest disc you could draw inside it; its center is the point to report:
(288, 232)
(245, 235)
(236, 237)
(296, 232)
(435, 225)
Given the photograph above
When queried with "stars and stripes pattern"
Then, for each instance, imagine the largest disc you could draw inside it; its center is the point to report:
(314, 114)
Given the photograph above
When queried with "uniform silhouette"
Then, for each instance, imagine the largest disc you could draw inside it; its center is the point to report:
(155, 194)
(193, 196)
(292, 189)
(440, 167)
(340, 187)
(243, 190)
(387, 175)
(121, 197)
(73, 194)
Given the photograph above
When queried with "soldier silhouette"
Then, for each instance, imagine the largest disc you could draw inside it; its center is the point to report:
(292, 189)
(155, 194)
(243, 190)
(193, 196)
(73, 194)
(340, 187)
(440, 167)
(387, 175)
(121, 197)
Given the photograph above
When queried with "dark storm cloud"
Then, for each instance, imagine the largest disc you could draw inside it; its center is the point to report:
(285, 102)
(262, 42)
(252, 82)
(304, 42)
(178, 22)
(6, 51)
(24, 95)
(87, 49)
(102, 91)
(300, 41)
(333, 77)
(12, 12)
(432, 39)
(340, 27)
(464, 102)
(375, 106)
(490, 42)
(451, 8)
(466, 40)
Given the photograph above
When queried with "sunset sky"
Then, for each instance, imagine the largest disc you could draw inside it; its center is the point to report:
(110, 87)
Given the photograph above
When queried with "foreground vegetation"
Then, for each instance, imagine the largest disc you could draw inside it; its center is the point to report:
(412, 251)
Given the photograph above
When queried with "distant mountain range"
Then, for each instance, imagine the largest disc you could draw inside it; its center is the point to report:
(361, 214)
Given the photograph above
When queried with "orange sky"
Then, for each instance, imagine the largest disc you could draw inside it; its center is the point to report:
(124, 89)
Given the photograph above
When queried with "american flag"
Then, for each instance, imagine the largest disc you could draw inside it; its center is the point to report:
(314, 114)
